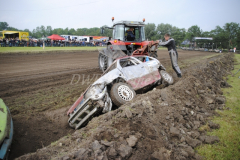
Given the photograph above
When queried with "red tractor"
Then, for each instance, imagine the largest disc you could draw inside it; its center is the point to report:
(122, 44)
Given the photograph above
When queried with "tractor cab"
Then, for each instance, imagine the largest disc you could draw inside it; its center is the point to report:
(128, 39)
(128, 36)
(129, 31)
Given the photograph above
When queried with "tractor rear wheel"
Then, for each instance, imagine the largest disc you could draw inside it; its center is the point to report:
(102, 62)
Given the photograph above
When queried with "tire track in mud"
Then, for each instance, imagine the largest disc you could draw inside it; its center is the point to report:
(161, 124)
(34, 85)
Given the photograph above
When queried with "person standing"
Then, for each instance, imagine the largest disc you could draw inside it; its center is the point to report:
(170, 44)
(234, 49)
(1, 42)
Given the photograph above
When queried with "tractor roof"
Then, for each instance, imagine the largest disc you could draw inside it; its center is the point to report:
(130, 23)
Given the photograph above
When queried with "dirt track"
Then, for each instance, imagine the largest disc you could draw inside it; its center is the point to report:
(37, 89)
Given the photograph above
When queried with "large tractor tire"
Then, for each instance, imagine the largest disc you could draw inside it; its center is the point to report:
(121, 93)
(154, 55)
(102, 62)
(166, 77)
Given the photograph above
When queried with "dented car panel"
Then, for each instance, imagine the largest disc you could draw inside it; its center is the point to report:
(138, 83)
(133, 70)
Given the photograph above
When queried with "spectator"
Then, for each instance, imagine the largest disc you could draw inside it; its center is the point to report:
(10, 42)
(13, 42)
(4, 42)
(7, 42)
(1, 42)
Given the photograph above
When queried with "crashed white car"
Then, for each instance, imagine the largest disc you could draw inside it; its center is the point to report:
(117, 85)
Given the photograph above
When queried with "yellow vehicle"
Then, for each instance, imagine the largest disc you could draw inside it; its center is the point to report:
(14, 34)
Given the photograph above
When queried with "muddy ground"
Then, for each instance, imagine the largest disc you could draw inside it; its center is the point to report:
(163, 124)
(37, 89)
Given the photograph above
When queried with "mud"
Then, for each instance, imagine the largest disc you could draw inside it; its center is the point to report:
(37, 89)
(164, 123)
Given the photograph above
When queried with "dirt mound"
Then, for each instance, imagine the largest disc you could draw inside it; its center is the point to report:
(161, 124)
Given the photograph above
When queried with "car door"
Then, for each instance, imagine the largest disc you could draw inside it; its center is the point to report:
(137, 75)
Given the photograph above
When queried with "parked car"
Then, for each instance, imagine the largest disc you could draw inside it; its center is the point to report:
(210, 50)
(205, 49)
(117, 85)
(6, 130)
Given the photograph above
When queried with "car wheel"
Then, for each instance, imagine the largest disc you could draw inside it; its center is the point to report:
(102, 62)
(121, 93)
(166, 77)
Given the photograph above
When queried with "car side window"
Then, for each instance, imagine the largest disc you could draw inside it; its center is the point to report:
(143, 59)
(128, 62)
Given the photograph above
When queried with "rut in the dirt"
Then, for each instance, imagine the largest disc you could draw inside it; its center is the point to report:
(161, 124)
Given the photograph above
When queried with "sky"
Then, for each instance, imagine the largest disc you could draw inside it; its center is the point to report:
(207, 14)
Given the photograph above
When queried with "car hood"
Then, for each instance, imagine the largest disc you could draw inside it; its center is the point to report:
(105, 79)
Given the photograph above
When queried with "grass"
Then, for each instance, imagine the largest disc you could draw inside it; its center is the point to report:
(40, 49)
(229, 120)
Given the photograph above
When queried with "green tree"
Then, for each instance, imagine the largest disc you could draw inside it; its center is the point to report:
(48, 31)
(178, 35)
(27, 30)
(220, 37)
(58, 31)
(232, 30)
(150, 31)
(71, 31)
(3, 26)
(107, 31)
(163, 29)
(193, 31)
(12, 29)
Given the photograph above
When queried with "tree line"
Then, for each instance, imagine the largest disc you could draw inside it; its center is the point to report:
(227, 36)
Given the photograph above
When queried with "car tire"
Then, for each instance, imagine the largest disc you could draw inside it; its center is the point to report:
(166, 77)
(121, 93)
(102, 62)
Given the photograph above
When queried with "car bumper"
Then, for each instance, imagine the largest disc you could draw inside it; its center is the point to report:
(82, 108)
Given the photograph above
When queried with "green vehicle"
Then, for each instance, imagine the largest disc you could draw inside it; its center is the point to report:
(6, 130)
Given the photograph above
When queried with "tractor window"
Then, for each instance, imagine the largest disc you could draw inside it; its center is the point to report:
(143, 33)
(137, 34)
(127, 29)
(119, 32)
(137, 31)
